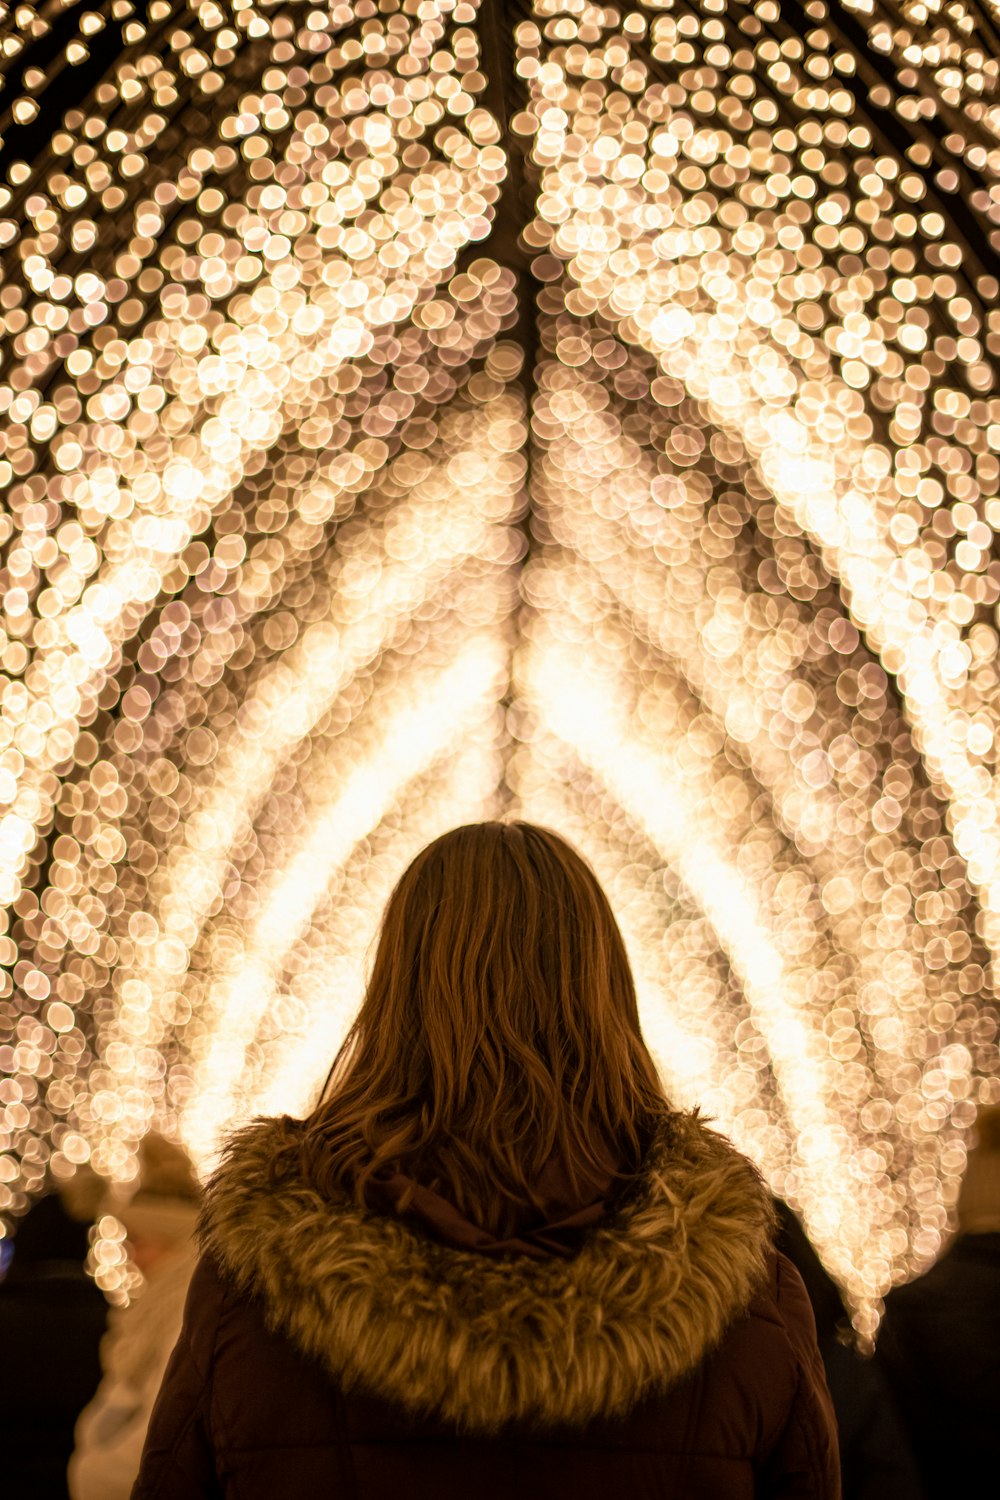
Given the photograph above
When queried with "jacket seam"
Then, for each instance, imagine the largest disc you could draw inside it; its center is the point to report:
(184, 1429)
(213, 1417)
(804, 1410)
(345, 1445)
(810, 1427)
(630, 1448)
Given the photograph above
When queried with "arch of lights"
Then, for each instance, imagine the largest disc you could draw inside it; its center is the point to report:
(337, 511)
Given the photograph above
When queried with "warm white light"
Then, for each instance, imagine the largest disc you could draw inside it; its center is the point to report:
(439, 714)
(293, 580)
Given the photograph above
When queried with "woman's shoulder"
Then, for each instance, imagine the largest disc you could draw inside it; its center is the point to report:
(781, 1311)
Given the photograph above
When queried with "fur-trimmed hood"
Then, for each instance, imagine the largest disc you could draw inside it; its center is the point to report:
(483, 1342)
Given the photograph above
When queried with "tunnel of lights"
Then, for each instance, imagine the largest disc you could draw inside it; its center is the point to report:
(415, 411)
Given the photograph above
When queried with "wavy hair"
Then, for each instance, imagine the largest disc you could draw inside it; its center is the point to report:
(499, 1029)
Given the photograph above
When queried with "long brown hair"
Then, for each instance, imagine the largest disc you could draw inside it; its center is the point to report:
(499, 1027)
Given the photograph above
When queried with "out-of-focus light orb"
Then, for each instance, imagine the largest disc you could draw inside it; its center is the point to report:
(330, 519)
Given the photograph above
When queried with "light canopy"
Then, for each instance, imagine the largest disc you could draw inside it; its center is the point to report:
(419, 411)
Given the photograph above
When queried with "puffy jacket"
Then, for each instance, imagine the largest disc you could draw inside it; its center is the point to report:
(331, 1351)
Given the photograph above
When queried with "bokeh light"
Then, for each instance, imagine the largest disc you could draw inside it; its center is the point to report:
(416, 411)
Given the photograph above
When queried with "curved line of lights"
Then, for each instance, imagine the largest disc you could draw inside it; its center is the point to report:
(269, 481)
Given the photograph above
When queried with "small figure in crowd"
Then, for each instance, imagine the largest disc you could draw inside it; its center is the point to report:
(52, 1318)
(160, 1221)
(940, 1340)
(494, 1261)
(876, 1461)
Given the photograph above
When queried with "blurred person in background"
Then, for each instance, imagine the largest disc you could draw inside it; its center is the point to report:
(494, 1261)
(52, 1317)
(159, 1220)
(940, 1338)
(876, 1460)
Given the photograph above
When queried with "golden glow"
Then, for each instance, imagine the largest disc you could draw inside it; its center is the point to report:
(293, 579)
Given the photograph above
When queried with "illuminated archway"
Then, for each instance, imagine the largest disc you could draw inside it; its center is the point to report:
(421, 410)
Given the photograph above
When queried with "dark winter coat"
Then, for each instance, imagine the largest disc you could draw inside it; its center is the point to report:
(876, 1461)
(940, 1348)
(876, 1458)
(329, 1351)
(52, 1318)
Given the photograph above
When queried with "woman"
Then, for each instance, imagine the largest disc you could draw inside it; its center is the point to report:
(493, 1261)
(160, 1220)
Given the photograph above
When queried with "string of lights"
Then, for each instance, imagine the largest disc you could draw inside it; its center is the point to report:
(415, 411)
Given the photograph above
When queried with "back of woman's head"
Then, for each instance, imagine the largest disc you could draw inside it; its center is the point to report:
(499, 1028)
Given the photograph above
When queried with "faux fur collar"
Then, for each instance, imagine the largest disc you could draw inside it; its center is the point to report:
(485, 1342)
